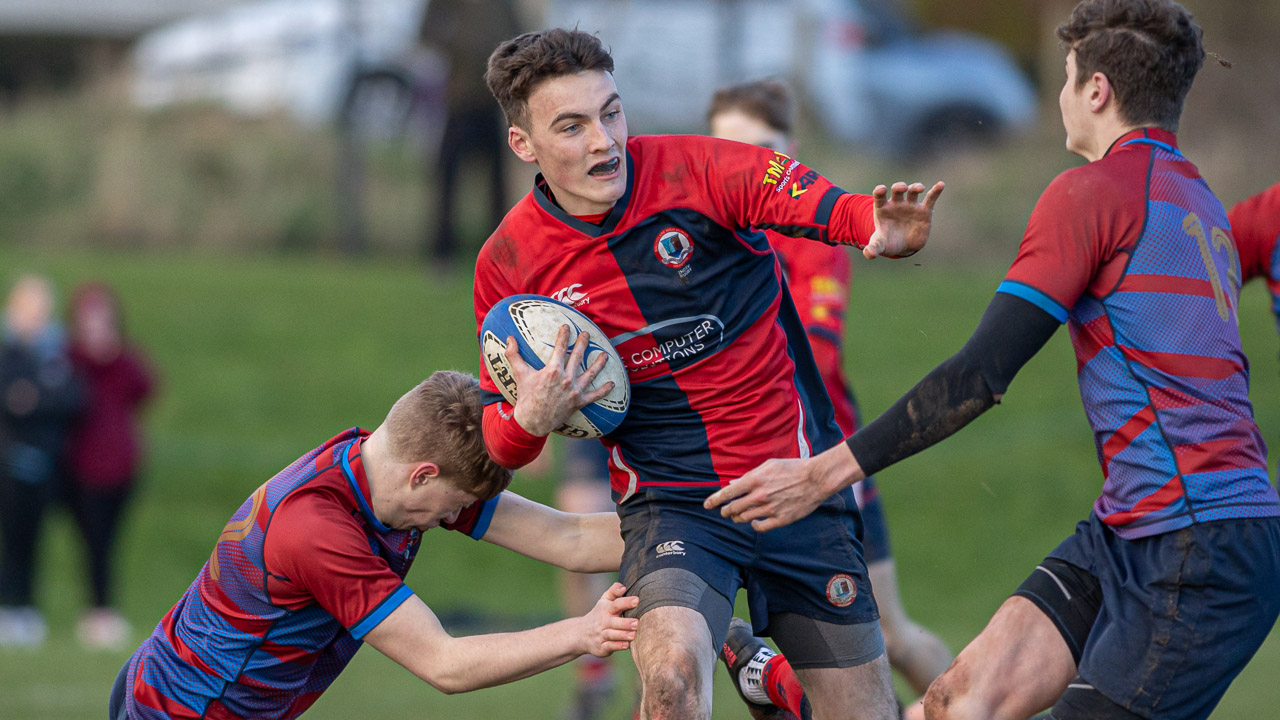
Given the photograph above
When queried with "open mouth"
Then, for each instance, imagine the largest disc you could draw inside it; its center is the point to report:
(605, 168)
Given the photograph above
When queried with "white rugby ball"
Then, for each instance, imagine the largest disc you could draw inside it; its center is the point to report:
(534, 321)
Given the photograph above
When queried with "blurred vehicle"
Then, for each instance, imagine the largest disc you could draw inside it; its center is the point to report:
(861, 68)
(316, 60)
(866, 74)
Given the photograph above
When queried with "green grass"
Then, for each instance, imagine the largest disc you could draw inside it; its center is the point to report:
(261, 359)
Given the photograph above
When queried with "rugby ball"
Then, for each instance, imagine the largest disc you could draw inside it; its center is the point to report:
(534, 321)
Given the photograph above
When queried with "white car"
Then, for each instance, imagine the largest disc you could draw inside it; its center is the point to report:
(866, 75)
(295, 56)
(868, 78)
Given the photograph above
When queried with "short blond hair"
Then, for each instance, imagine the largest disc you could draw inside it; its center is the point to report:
(441, 421)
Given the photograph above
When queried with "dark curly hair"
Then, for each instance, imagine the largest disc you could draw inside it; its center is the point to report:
(440, 421)
(1150, 51)
(519, 65)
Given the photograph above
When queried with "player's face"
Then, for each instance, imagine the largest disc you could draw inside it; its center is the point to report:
(435, 501)
(577, 135)
(1073, 101)
(738, 126)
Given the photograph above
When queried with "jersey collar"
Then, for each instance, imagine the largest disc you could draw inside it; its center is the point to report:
(1146, 136)
(353, 470)
(541, 193)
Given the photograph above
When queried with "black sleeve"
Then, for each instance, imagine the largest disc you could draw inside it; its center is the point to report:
(1011, 331)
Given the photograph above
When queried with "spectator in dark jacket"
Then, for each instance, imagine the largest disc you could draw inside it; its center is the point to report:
(104, 448)
(38, 397)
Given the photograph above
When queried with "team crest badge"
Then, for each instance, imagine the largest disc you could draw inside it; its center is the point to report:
(842, 590)
(673, 248)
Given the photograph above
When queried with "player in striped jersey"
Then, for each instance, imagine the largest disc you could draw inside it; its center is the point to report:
(1171, 584)
(312, 566)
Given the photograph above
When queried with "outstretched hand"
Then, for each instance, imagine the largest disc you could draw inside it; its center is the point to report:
(902, 219)
(606, 631)
(546, 398)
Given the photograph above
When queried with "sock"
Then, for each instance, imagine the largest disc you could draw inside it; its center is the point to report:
(783, 687)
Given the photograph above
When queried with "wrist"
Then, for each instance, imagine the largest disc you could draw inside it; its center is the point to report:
(527, 424)
(838, 469)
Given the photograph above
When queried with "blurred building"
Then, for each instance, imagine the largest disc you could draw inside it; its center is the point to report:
(59, 42)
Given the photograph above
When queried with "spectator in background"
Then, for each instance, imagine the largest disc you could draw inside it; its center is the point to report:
(38, 397)
(104, 446)
(465, 31)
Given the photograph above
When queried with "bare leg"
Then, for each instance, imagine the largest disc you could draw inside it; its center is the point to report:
(913, 651)
(864, 692)
(674, 656)
(1017, 666)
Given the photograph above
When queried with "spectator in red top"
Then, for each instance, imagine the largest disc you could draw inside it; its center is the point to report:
(105, 446)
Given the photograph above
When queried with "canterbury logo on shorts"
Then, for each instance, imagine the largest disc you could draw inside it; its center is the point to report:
(670, 547)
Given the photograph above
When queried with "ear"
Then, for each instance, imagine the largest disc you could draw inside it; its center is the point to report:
(520, 144)
(1100, 92)
(424, 473)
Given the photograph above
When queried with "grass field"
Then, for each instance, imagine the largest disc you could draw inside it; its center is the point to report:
(261, 359)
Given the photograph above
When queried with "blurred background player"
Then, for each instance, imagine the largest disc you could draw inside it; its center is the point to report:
(39, 397)
(464, 31)
(1255, 225)
(1165, 591)
(104, 448)
(818, 275)
(312, 566)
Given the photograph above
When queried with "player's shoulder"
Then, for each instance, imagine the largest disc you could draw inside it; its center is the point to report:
(1105, 185)
(1265, 204)
(502, 248)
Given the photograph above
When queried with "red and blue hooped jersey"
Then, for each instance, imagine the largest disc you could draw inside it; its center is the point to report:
(1134, 252)
(682, 279)
(1255, 225)
(299, 574)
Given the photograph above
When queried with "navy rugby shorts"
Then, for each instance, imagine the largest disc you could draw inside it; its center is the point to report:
(812, 568)
(1180, 614)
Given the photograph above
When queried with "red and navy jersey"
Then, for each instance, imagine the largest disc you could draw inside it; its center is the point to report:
(682, 279)
(1133, 251)
(1255, 225)
(298, 576)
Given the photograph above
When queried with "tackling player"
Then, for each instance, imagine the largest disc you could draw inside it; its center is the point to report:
(312, 565)
(762, 113)
(1171, 584)
(655, 236)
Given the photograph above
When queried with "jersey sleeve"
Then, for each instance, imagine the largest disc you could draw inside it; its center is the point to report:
(474, 519)
(1072, 231)
(317, 551)
(755, 187)
(1255, 225)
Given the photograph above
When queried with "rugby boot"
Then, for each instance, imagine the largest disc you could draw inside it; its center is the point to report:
(745, 655)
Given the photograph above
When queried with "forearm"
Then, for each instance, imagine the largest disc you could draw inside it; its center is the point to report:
(575, 542)
(1011, 332)
(413, 637)
(947, 399)
(507, 442)
(481, 661)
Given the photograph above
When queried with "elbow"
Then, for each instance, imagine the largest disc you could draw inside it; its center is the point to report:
(449, 683)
